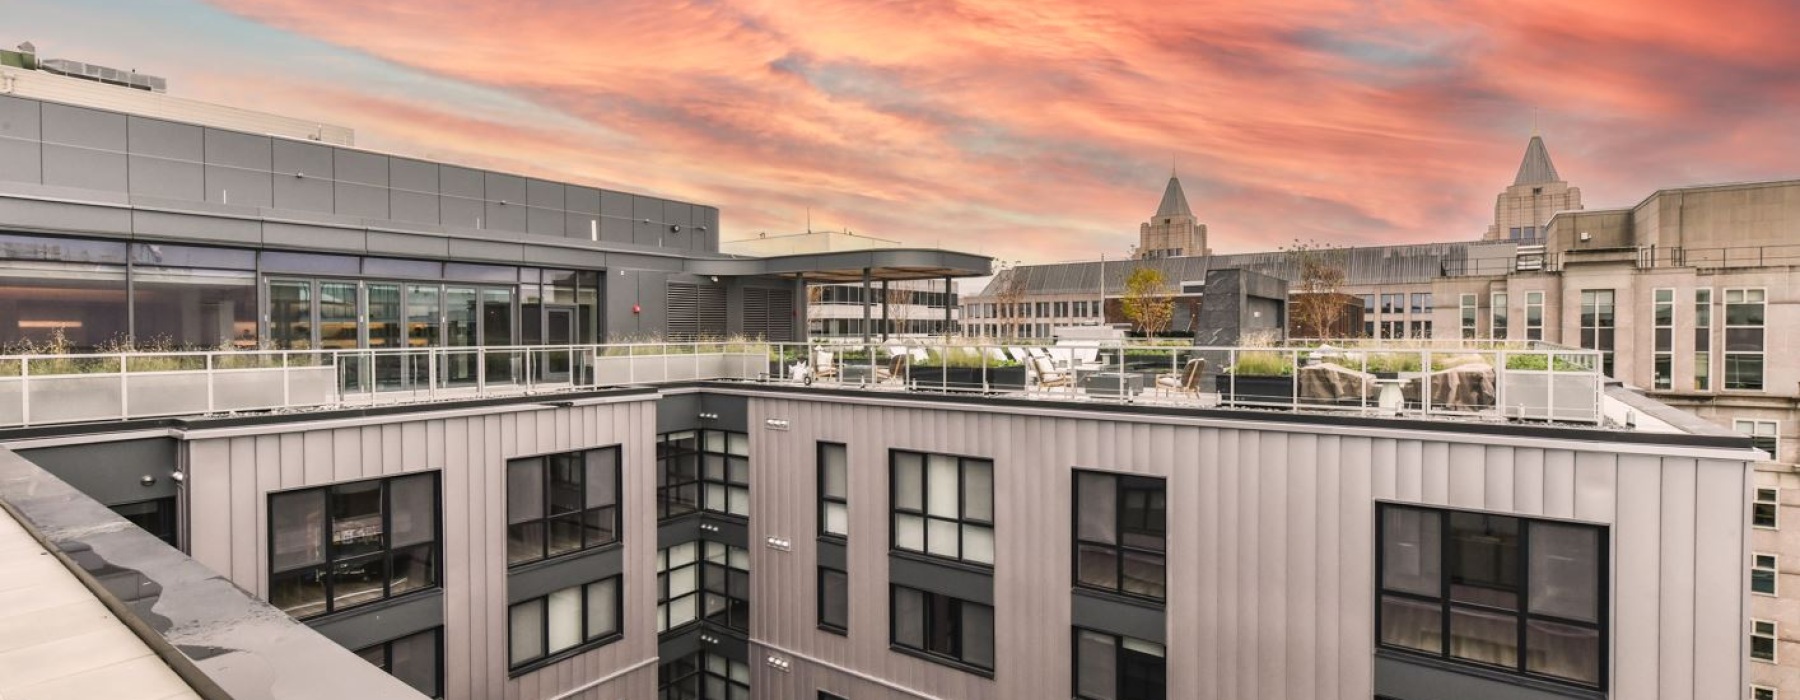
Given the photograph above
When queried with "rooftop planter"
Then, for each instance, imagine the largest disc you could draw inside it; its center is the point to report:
(1257, 376)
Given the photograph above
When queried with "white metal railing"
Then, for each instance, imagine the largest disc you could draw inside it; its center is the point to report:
(1478, 380)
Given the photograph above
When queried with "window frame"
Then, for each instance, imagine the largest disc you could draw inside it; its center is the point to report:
(729, 571)
(1703, 341)
(665, 574)
(1119, 548)
(1662, 338)
(1600, 331)
(1534, 315)
(387, 656)
(962, 519)
(826, 500)
(1118, 647)
(1498, 316)
(1774, 637)
(701, 483)
(823, 624)
(1762, 692)
(580, 515)
(1757, 437)
(1759, 356)
(927, 624)
(329, 561)
(1774, 508)
(588, 642)
(1772, 569)
(1470, 311)
(1446, 603)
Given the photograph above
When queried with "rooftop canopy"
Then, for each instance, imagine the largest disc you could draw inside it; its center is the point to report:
(892, 264)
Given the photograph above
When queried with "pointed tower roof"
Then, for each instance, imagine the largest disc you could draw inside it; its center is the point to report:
(1536, 169)
(1174, 201)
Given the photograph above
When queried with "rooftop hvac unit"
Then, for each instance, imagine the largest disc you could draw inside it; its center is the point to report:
(103, 74)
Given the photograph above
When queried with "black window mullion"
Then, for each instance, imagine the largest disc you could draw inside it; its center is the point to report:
(1445, 549)
(330, 549)
(387, 539)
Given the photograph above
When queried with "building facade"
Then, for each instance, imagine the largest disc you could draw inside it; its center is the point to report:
(1172, 231)
(1522, 211)
(893, 308)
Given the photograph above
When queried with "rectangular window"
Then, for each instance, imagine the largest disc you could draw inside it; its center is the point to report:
(340, 546)
(1393, 303)
(1497, 316)
(830, 696)
(1421, 329)
(1663, 329)
(577, 617)
(561, 503)
(1469, 315)
(703, 676)
(1764, 435)
(1120, 533)
(1110, 667)
(1598, 325)
(944, 627)
(1368, 302)
(1702, 339)
(725, 582)
(834, 600)
(834, 490)
(414, 659)
(1534, 315)
(677, 585)
(1421, 302)
(1393, 330)
(1758, 692)
(1062, 309)
(1762, 640)
(943, 506)
(1763, 573)
(702, 470)
(1764, 512)
(1744, 310)
(1521, 595)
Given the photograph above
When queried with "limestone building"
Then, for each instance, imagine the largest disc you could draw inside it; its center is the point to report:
(1173, 231)
(1522, 211)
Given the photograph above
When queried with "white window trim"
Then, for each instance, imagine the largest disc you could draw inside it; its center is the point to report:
(1674, 322)
(1755, 425)
(1497, 305)
(1756, 497)
(1775, 568)
(1773, 693)
(1774, 634)
(1725, 351)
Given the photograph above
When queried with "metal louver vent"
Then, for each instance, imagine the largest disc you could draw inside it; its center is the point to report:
(695, 312)
(769, 313)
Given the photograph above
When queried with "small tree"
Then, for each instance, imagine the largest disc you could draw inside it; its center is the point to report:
(1320, 270)
(899, 308)
(1147, 302)
(1009, 289)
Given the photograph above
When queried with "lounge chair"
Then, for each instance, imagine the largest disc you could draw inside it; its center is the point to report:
(895, 369)
(1185, 382)
(1049, 377)
(824, 365)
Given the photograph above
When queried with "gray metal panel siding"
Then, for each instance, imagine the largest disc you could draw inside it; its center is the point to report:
(302, 176)
(615, 217)
(237, 168)
(229, 480)
(412, 191)
(83, 148)
(646, 220)
(362, 184)
(463, 193)
(165, 159)
(1271, 565)
(582, 219)
(21, 140)
(547, 199)
(506, 203)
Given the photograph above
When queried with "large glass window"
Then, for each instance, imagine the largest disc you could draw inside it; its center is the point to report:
(1121, 533)
(194, 309)
(1744, 339)
(1702, 339)
(572, 619)
(290, 314)
(1393, 303)
(943, 506)
(1112, 667)
(944, 627)
(337, 315)
(1514, 594)
(1764, 435)
(702, 469)
(1470, 313)
(1598, 325)
(1421, 303)
(561, 503)
(1534, 315)
(834, 599)
(834, 490)
(414, 659)
(345, 545)
(1662, 316)
(677, 585)
(725, 583)
(1497, 316)
(703, 676)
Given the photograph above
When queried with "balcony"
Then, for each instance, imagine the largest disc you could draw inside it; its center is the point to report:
(1461, 380)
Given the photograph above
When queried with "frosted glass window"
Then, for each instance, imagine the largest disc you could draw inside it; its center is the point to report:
(527, 631)
(603, 608)
(565, 619)
(940, 486)
(936, 499)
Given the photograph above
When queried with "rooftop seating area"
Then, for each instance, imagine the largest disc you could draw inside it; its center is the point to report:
(1474, 380)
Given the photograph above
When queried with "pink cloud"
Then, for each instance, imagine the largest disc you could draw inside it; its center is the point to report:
(1043, 131)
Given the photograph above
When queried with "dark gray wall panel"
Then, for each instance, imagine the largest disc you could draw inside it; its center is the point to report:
(237, 169)
(678, 412)
(166, 159)
(926, 575)
(163, 139)
(1409, 680)
(408, 245)
(361, 168)
(463, 190)
(462, 248)
(647, 209)
(199, 229)
(615, 217)
(362, 184)
(563, 257)
(547, 201)
(21, 140)
(32, 214)
(83, 148)
(1105, 614)
(384, 622)
(545, 577)
(506, 203)
(362, 201)
(413, 175)
(282, 235)
(582, 219)
(412, 191)
(302, 176)
(111, 472)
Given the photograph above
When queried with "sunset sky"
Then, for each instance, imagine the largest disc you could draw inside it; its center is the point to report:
(1036, 131)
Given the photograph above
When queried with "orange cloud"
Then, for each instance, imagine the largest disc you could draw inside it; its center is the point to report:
(1042, 131)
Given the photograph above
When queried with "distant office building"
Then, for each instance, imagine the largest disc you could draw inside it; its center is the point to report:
(1522, 212)
(1172, 231)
